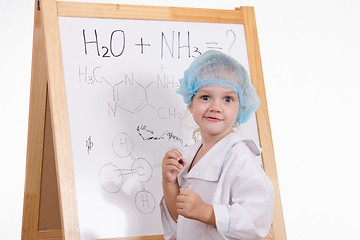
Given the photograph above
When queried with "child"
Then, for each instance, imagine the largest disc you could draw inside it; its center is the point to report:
(216, 190)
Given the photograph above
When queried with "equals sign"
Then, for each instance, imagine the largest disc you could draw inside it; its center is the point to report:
(213, 45)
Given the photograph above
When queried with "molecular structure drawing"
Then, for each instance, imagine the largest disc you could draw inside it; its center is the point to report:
(121, 94)
(112, 178)
(127, 87)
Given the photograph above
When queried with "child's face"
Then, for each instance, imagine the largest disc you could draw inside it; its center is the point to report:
(215, 109)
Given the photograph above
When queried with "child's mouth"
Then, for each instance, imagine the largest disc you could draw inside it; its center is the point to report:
(213, 119)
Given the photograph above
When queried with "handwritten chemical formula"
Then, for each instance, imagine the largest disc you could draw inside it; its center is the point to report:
(174, 44)
(127, 88)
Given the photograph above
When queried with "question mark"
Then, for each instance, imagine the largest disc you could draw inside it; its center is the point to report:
(234, 38)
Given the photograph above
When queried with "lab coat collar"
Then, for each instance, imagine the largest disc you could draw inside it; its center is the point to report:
(210, 165)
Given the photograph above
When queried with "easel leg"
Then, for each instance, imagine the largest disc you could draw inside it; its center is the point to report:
(39, 147)
(36, 129)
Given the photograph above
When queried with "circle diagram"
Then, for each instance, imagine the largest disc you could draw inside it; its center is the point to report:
(122, 145)
(145, 202)
(142, 170)
(110, 178)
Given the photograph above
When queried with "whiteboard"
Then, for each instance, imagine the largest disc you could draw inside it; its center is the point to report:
(121, 77)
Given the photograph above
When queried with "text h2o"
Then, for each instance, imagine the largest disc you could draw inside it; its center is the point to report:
(115, 48)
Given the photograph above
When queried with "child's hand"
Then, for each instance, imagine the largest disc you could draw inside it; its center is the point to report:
(171, 165)
(190, 205)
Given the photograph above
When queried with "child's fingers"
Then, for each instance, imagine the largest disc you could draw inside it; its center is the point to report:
(170, 172)
(183, 194)
(175, 154)
(179, 158)
(180, 202)
(174, 157)
(172, 168)
(185, 191)
(180, 197)
(172, 162)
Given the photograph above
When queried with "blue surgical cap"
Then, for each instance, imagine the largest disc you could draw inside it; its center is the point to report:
(217, 68)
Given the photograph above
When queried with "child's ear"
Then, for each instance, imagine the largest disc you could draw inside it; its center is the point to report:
(190, 108)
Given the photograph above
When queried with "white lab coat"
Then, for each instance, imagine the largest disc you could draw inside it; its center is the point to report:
(230, 178)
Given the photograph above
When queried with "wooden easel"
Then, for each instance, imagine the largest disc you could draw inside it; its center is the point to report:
(50, 206)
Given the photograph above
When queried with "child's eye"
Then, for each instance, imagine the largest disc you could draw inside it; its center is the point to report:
(228, 99)
(205, 98)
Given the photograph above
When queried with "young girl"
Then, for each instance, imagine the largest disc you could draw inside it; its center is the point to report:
(217, 189)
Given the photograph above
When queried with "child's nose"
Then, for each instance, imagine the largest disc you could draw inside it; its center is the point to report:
(216, 106)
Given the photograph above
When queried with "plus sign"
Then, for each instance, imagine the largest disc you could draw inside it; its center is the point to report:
(162, 68)
(142, 45)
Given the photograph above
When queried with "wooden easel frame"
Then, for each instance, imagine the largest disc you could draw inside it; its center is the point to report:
(50, 206)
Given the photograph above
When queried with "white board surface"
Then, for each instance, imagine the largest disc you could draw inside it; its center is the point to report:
(120, 78)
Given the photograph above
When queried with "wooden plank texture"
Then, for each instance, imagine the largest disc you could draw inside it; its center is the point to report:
(35, 138)
(116, 11)
(60, 124)
(49, 211)
(49, 235)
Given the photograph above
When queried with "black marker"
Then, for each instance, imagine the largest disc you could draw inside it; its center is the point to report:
(181, 161)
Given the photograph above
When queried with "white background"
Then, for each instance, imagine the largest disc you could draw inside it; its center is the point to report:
(310, 56)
